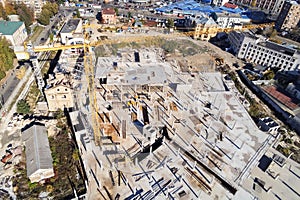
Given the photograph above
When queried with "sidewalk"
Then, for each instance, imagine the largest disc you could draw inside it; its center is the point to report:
(5, 113)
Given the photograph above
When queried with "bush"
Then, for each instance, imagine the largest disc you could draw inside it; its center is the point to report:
(23, 107)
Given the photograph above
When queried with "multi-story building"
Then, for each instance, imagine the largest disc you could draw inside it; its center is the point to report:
(109, 16)
(289, 16)
(70, 29)
(271, 6)
(263, 52)
(227, 20)
(59, 93)
(36, 5)
(14, 31)
(205, 28)
(219, 2)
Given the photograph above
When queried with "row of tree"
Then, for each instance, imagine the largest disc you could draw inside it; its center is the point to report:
(25, 13)
(7, 56)
(48, 11)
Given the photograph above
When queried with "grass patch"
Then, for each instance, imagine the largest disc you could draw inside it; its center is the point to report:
(184, 46)
(36, 32)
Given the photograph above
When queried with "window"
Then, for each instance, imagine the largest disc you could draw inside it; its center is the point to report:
(66, 89)
(64, 96)
(57, 89)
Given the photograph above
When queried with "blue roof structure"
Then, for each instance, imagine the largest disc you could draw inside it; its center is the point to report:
(193, 7)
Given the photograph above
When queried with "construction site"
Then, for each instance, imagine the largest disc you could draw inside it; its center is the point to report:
(166, 131)
(151, 116)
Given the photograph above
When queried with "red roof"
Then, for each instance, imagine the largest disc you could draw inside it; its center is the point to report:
(230, 5)
(150, 23)
(285, 100)
(108, 11)
(6, 158)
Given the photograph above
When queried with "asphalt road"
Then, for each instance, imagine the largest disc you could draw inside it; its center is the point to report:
(8, 87)
(42, 38)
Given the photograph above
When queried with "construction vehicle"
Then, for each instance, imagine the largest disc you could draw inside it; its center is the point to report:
(29, 52)
(219, 61)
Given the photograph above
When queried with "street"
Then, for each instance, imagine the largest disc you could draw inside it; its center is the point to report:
(8, 87)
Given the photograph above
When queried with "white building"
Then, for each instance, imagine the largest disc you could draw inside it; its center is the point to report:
(260, 51)
(219, 2)
(38, 154)
(227, 20)
(294, 89)
(14, 31)
(73, 26)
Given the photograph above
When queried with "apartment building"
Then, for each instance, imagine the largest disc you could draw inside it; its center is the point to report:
(59, 92)
(36, 5)
(14, 31)
(109, 16)
(205, 28)
(289, 16)
(227, 20)
(70, 29)
(260, 51)
(271, 6)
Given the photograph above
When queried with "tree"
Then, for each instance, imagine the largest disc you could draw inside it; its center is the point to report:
(23, 107)
(77, 13)
(7, 56)
(21, 72)
(117, 11)
(273, 33)
(51, 36)
(48, 11)
(170, 23)
(253, 3)
(129, 15)
(10, 9)
(26, 15)
(2, 12)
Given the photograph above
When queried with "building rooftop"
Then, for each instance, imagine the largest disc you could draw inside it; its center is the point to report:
(108, 11)
(230, 5)
(38, 154)
(70, 26)
(282, 98)
(278, 48)
(9, 27)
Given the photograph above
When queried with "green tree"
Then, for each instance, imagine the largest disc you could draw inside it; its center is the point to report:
(48, 11)
(170, 23)
(23, 107)
(129, 15)
(51, 36)
(7, 56)
(117, 11)
(269, 75)
(26, 15)
(2, 12)
(77, 13)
